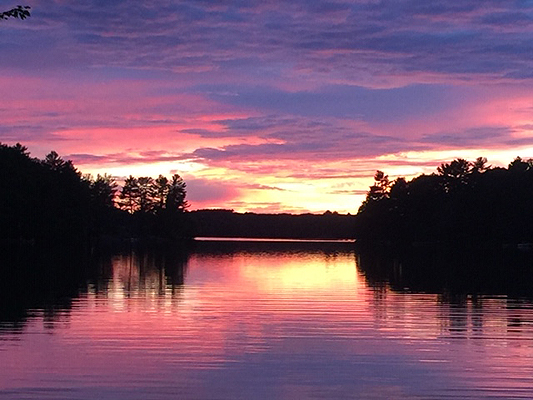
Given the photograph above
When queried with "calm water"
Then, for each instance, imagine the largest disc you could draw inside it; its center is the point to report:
(260, 321)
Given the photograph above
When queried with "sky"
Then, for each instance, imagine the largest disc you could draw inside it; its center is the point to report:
(269, 106)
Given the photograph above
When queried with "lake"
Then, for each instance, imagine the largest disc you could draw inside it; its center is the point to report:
(259, 320)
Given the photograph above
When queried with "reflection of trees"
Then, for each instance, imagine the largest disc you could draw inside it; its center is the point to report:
(39, 282)
(226, 248)
(141, 277)
(449, 271)
(142, 271)
(471, 290)
(44, 284)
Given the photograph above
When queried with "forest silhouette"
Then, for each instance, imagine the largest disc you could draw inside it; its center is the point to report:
(49, 201)
(455, 231)
(464, 203)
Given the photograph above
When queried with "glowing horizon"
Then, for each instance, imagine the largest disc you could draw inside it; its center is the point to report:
(269, 107)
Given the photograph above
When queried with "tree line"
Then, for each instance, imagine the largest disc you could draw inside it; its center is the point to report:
(464, 202)
(467, 202)
(50, 200)
(227, 223)
(149, 195)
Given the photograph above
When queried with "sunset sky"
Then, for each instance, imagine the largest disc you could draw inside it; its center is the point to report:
(269, 106)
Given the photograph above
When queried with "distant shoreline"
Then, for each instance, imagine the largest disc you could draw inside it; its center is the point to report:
(288, 240)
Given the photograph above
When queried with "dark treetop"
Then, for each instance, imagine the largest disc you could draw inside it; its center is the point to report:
(21, 12)
(466, 203)
(49, 201)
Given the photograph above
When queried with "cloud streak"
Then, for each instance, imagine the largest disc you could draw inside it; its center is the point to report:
(327, 39)
(272, 101)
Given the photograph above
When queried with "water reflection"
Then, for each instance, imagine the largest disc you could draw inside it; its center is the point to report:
(475, 293)
(40, 282)
(141, 273)
(46, 283)
(451, 272)
(269, 320)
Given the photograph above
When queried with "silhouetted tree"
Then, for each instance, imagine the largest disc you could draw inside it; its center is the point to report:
(53, 161)
(48, 200)
(519, 165)
(23, 150)
(103, 190)
(457, 169)
(454, 173)
(227, 223)
(21, 12)
(129, 196)
(146, 192)
(464, 203)
(378, 191)
(161, 189)
(480, 165)
(399, 188)
(148, 195)
(42, 200)
(176, 194)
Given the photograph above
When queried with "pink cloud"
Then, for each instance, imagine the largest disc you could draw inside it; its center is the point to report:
(313, 91)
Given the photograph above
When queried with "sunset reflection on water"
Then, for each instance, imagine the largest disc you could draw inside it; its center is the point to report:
(266, 321)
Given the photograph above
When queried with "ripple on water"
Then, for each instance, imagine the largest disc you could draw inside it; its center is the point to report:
(265, 325)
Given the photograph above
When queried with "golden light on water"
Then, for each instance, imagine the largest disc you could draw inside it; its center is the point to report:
(267, 315)
(292, 277)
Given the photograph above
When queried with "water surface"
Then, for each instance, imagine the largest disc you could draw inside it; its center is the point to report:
(263, 321)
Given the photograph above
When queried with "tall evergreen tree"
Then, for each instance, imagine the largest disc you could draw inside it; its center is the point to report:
(176, 194)
(129, 196)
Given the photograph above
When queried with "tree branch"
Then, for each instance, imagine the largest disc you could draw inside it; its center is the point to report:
(21, 12)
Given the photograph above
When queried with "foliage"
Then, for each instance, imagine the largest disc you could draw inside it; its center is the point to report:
(464, 202)
(103, 190)
(379, 190)
(50, 201)
(226, 223)
(154, 196)
(20, 12)
(175, 198)
(40, 199)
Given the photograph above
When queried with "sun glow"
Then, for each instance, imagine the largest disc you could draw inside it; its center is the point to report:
(295, 277)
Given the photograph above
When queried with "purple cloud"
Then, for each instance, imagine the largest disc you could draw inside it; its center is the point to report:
(201, 192)
(331, 39)
(245, 85)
